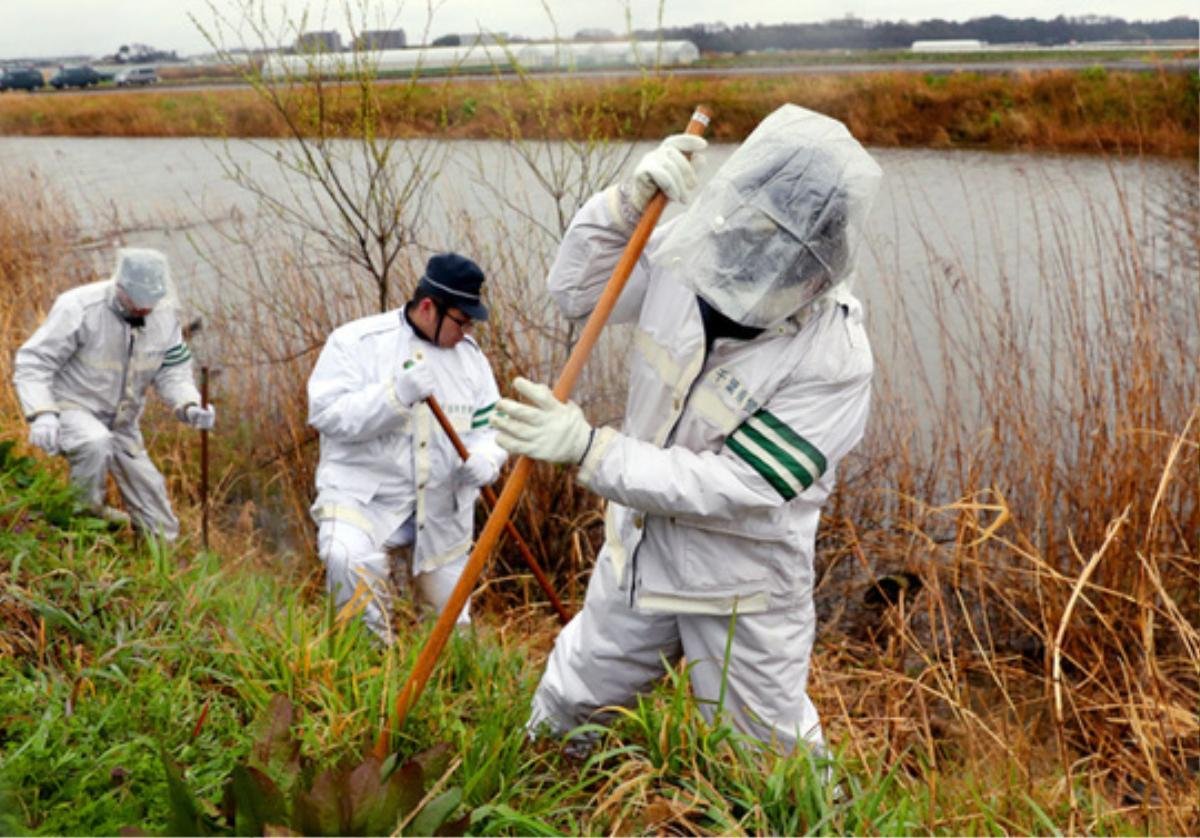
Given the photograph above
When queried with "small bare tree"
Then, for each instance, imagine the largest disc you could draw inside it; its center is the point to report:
(339, 199)
(343, 178)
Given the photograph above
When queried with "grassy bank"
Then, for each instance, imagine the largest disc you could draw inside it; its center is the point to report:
(1089, 111)
(119, 660)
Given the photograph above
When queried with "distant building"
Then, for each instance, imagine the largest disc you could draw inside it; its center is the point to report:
(319, 42)
(949, 45)
(382, 39)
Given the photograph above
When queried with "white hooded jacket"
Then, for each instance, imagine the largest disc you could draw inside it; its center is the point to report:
(85, 356)
(723, 463)
(374, 446)
(727, 454)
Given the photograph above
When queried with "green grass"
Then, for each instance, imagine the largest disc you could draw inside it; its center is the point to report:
(114, 651)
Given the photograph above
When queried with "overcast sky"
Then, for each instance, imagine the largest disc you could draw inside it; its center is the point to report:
(37, 28)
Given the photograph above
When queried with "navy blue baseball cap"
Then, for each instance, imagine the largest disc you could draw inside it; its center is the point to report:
(455, 281)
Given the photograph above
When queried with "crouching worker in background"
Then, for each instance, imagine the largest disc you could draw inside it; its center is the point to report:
(750, 379)
(82, 379)
(395, 502)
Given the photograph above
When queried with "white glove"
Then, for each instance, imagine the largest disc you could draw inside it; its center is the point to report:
(200, 418)
(413, 382)
(476, 471)
(43, 432)
(546, 430)
(666, 168)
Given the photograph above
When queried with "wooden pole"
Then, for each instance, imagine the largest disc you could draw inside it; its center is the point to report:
(515, 484)
(490, 496)
(204, 463)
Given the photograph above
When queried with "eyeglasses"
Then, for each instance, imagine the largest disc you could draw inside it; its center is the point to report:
(463, 324)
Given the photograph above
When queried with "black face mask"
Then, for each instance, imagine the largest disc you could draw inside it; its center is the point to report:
(717, 325)
(136, 321)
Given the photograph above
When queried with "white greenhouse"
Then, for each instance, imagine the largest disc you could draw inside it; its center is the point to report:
(483, 57)
(949, 45)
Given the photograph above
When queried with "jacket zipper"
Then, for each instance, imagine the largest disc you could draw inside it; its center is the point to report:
(666, 440)
(124, 373)
(670, 434)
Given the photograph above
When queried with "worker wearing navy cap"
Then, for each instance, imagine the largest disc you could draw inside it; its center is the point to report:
(395, 502)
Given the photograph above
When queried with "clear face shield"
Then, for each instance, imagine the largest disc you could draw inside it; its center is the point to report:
(775, 227)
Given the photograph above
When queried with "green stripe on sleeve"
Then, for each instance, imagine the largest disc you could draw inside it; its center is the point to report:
(177, 354)
(794, 439)
(780, 458)
(769, 474)
(785, 459)
(483, 415)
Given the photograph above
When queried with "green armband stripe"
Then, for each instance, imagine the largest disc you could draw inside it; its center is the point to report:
(481, 417)
(762, 467)
(177, 354)
(785, 459)
(789, 437)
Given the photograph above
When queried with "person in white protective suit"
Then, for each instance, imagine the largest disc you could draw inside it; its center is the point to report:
(391, 489)
(749, 381)
(82, 378)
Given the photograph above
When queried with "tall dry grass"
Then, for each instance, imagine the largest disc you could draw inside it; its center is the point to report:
(1040, 479)
(1151, 112)
(39, 258)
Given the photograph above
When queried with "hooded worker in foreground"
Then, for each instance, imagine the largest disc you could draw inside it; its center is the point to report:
(749, 381)
(82, 379)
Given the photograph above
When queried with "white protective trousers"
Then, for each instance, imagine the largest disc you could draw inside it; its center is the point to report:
(92, 450)
(360, 568)
(609, 653)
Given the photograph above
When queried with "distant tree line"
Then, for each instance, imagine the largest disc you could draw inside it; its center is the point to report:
(853, 33)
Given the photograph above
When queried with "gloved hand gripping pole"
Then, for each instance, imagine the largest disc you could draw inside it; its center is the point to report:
(489, 495)
(515, 484)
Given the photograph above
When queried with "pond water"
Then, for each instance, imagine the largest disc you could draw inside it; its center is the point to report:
(995, 220)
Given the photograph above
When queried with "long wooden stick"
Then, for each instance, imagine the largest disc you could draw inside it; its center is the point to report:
(489, 495)
(515, 484)
(204, 463)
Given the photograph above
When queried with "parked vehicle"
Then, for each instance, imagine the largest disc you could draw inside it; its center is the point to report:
(81, 77)
(135, 76)
(21, 78)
